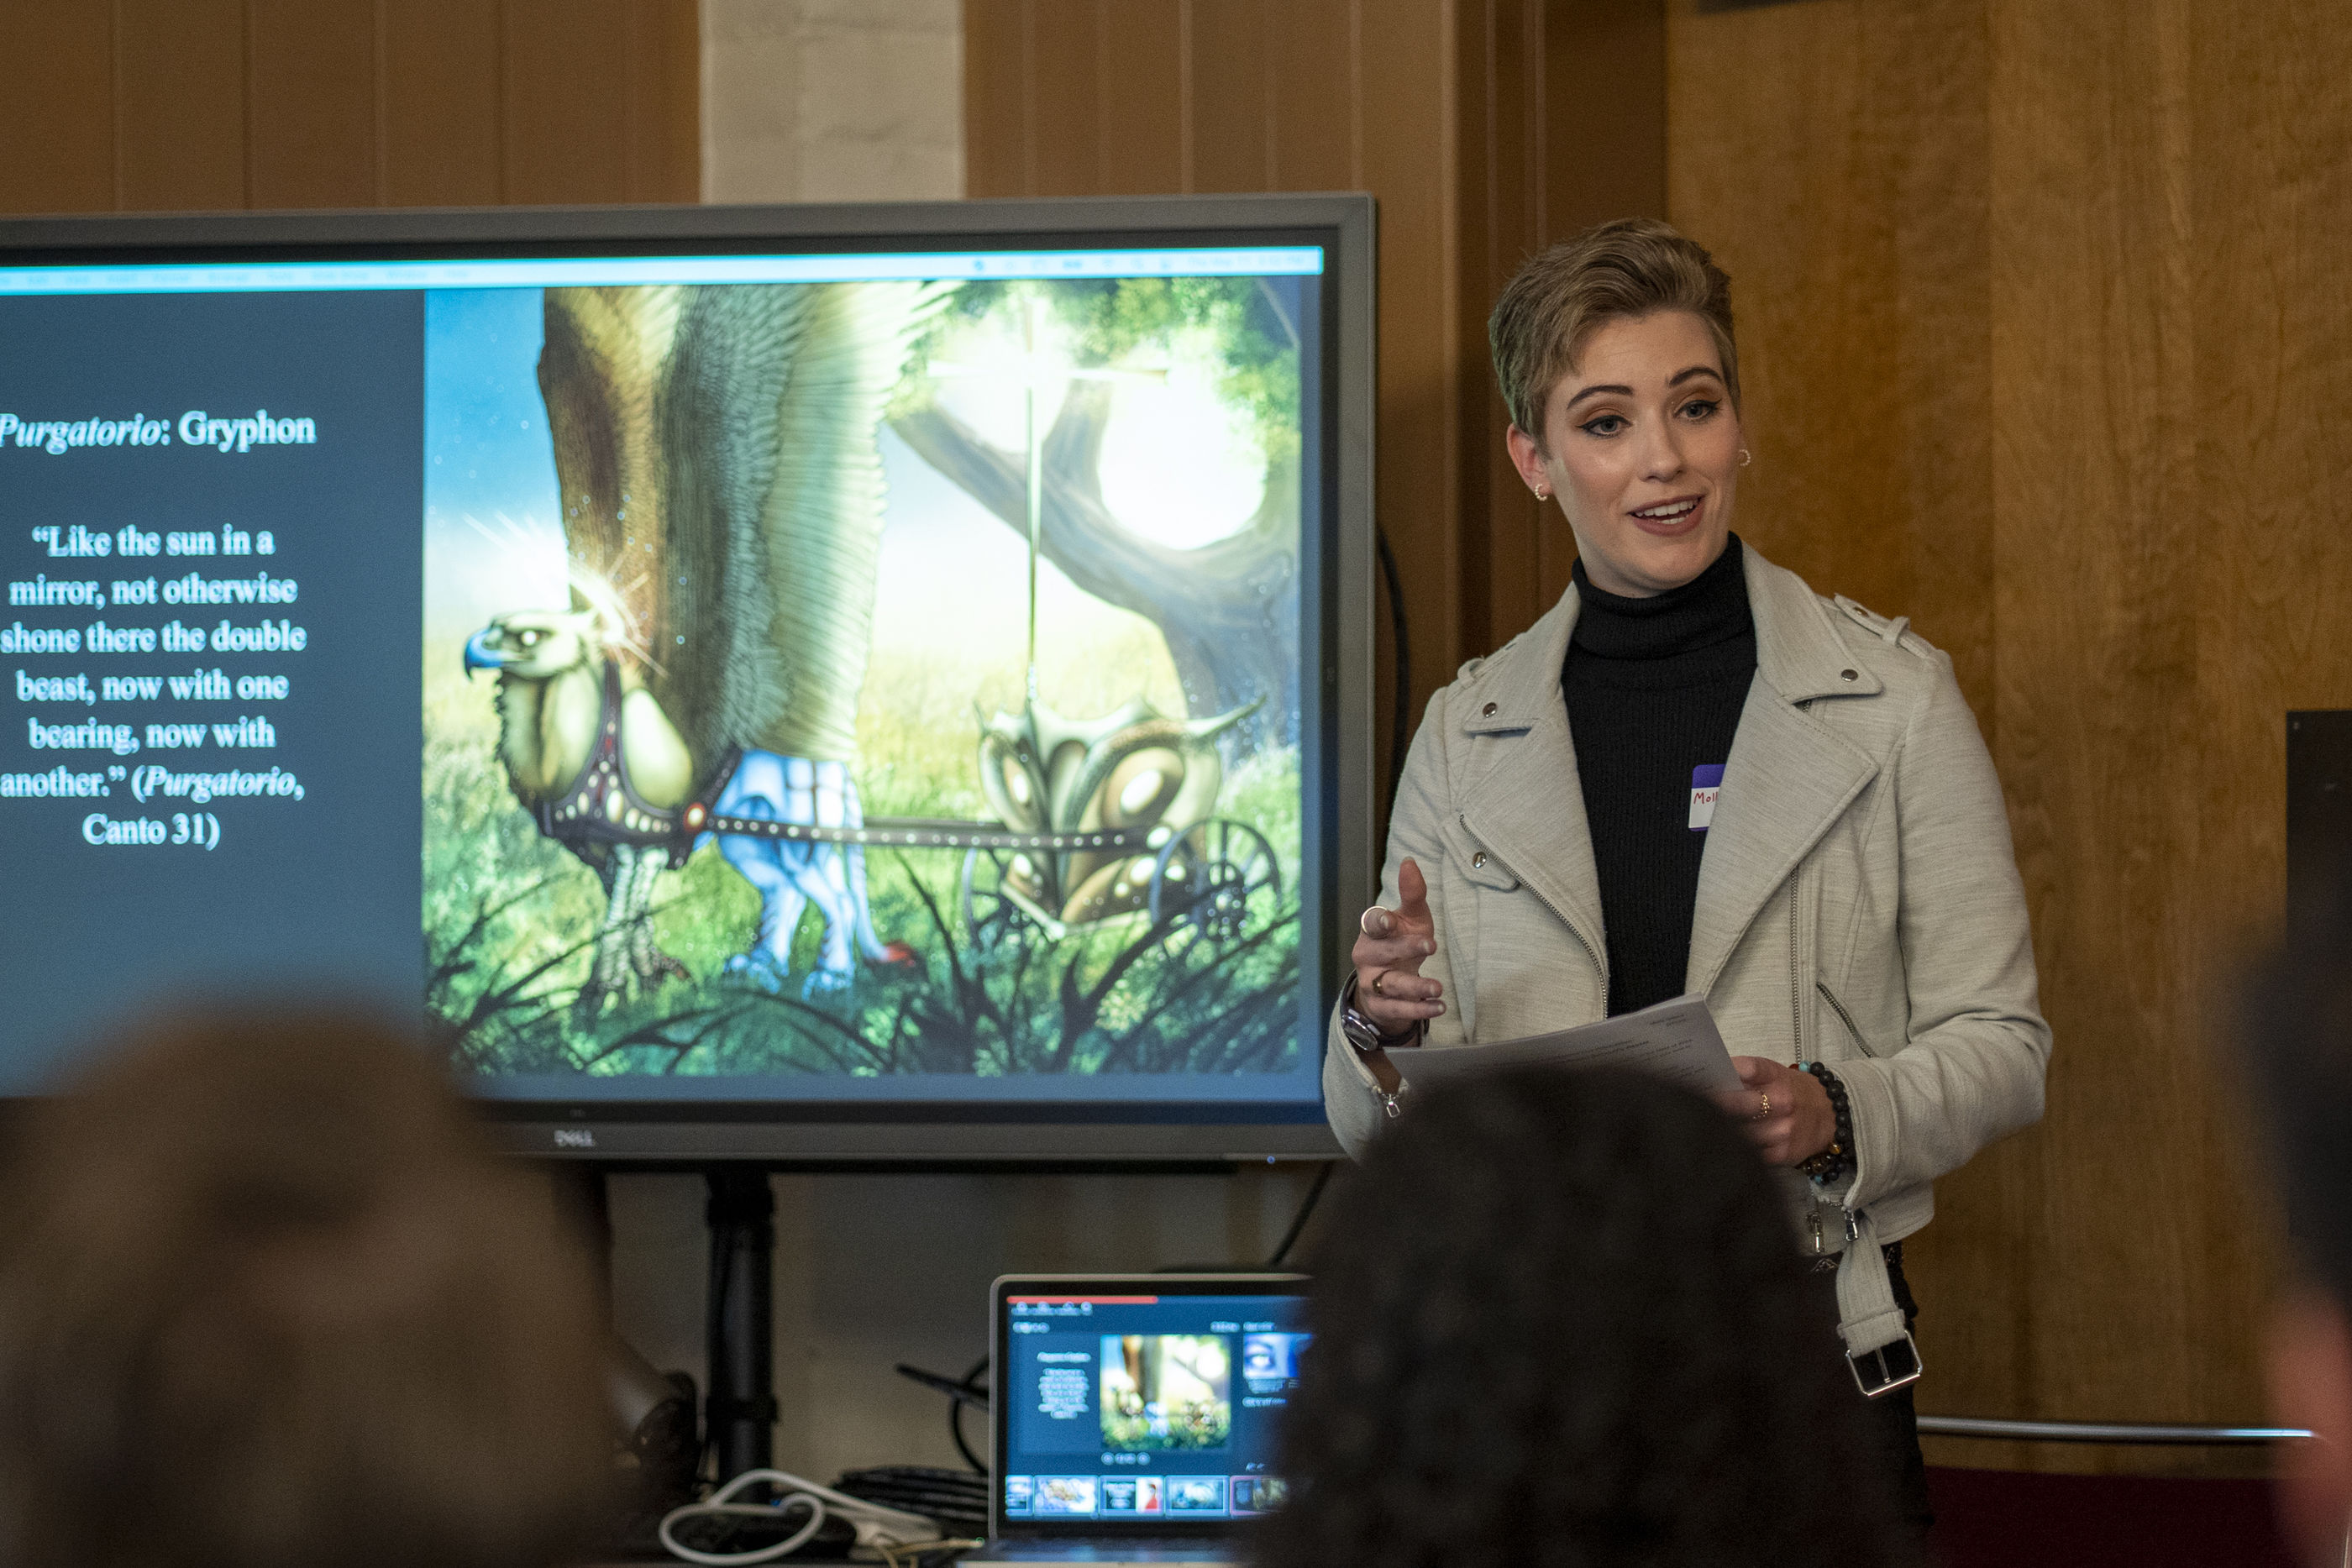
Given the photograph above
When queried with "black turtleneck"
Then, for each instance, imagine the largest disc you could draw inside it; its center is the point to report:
(1653, 687)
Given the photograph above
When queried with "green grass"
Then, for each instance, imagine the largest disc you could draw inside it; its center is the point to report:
(509, 917)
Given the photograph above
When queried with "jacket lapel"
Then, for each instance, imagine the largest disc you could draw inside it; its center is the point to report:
(1529, 808)
(1788, 777)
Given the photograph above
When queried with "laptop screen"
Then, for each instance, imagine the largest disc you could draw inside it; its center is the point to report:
(1149, 1401)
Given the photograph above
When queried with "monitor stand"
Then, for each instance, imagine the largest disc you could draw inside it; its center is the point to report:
(739, 1412)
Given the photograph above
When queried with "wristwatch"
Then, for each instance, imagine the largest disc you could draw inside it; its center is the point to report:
(1367, 1037)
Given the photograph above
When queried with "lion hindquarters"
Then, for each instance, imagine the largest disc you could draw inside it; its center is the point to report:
(791, 876)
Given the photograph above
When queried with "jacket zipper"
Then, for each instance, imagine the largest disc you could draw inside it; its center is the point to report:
(1796, 962)
(1852, 1226)
(1796, 974)
(1845, 1016)
(1797, 1028)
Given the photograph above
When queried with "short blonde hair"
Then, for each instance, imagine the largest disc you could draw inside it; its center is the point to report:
(1620, 270)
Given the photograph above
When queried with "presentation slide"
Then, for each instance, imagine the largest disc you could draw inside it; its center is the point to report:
(1128, 1408)
(672, 679)
(208, 516)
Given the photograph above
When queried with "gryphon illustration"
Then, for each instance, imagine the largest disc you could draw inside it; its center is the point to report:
(722, 498)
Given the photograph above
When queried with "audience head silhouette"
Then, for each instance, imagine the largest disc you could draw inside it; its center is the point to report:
(2298, 1041)
(266, 1301)
(1560, 1320)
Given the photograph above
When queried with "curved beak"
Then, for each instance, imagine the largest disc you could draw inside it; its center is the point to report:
(480, 655)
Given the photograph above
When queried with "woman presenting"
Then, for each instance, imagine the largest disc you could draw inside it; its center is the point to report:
(1696, 775)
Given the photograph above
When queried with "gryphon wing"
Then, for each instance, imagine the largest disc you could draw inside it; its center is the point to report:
(600, 365)
(771, 411)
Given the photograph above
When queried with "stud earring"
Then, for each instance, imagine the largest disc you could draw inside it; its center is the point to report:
(1744, 458)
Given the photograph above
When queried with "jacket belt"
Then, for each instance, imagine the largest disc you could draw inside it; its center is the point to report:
(1869, 1321)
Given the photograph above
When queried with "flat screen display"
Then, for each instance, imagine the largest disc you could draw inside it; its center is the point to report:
(839, 685)
(1142, 1403)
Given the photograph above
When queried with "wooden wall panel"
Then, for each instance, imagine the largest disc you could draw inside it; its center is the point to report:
(179, 104)
(1604, 74)
(563, 71)
(1227, 74)
(2040, 326)
(2271, 208)
(1065, 49)
(310, 79)
(1498, 74)
(1310, 96)
(439, 122)
(2268, 416)
(661, 53)
(2097, 734)
(1144, 116)
(1405, 111)
(57, 120)
(188, 105)
(1852, 222)
(997, 94)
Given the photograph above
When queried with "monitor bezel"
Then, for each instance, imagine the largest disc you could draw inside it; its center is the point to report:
(1294, 1285)
(671, 1132)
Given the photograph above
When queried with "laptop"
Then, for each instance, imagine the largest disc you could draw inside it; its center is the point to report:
(1135, 1413)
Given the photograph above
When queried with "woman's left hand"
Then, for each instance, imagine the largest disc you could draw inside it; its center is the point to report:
(1787, 1112)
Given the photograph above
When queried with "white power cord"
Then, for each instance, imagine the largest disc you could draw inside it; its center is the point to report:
(883, 1531)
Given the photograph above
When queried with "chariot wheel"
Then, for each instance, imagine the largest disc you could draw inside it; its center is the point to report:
(993, 918)
(1216, 881)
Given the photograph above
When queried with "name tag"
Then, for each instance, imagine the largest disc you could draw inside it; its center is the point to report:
(1707, 783)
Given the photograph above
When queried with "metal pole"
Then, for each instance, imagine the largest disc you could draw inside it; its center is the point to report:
(739, 1412)
(2133, 1432)
(1036, 478)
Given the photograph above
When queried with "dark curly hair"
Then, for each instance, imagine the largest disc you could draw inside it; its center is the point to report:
(1560, 1320)
(2294, 1039)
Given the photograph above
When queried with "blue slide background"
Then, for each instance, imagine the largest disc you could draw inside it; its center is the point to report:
(327, 887)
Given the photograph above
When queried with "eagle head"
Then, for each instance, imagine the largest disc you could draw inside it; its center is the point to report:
(535, 644)
(549, 665)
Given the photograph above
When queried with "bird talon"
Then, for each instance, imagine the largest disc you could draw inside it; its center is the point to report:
(588, 1006)
(660, 965)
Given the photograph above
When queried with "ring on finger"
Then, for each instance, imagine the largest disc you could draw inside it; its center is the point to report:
(1373, 922)
(1376, 983)
(1762, 1111)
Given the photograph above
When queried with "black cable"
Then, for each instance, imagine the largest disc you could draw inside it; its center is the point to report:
(1298, 1220)
(971, 1388)
(955, 1416)
(1400, 716)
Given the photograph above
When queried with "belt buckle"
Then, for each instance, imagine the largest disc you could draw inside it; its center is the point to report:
(1886, 1373)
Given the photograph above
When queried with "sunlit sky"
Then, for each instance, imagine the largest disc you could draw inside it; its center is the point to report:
(491, 539)
(1177, 468)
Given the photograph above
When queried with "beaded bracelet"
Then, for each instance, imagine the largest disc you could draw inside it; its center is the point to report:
(1838, 1158)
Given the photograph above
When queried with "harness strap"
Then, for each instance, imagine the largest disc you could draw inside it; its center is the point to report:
(602, 805)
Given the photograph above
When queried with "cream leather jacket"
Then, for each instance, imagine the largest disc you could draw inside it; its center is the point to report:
(1858, 902)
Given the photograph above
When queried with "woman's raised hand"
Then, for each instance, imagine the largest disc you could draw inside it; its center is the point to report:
(1390, 948)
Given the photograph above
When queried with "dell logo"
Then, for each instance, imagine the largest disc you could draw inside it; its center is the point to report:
(574, 1138)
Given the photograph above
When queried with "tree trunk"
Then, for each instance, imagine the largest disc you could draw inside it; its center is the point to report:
(1229, 609)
